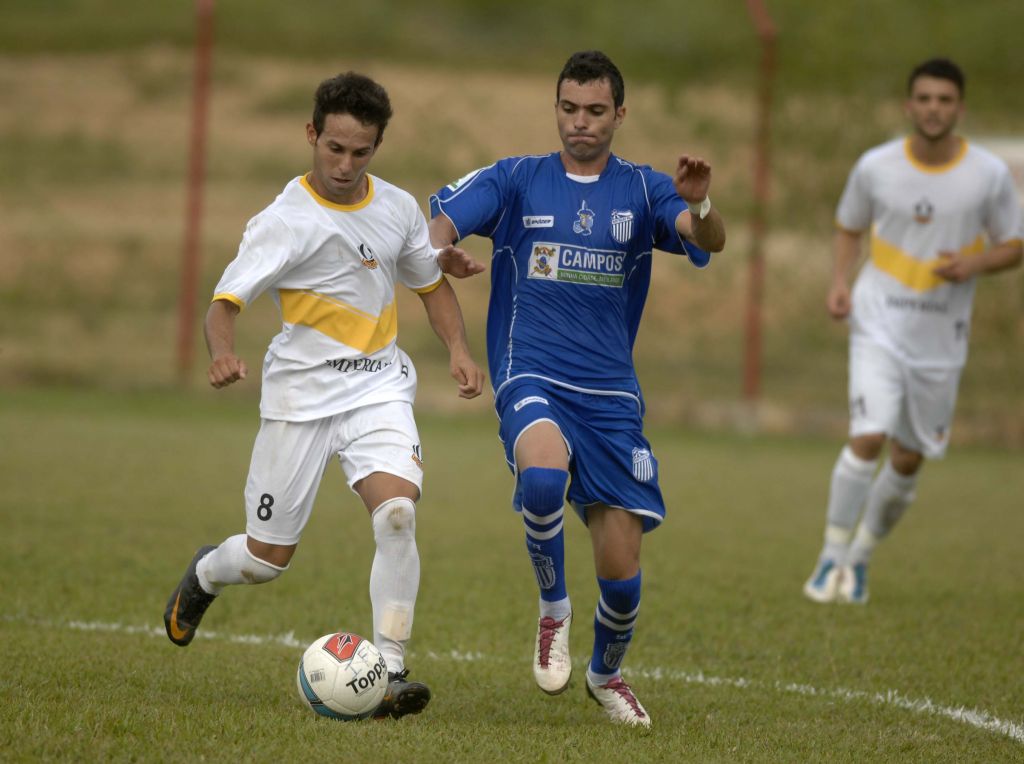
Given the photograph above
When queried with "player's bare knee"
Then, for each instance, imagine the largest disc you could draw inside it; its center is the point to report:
(395, 517)
(257, 571)
(905, 461)
(867, 447)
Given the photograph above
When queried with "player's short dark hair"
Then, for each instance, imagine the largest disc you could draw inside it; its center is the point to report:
(941, 68)
(589, 65)
(355, 94)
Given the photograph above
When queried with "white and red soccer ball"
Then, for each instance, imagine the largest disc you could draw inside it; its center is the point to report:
(342, 676)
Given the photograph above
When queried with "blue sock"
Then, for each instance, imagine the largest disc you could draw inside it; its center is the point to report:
(543, 494)
(613, 626)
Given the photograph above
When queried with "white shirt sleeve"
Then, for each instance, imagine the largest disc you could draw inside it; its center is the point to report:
(1003, 216)
(417, 263)
(854, 210)
(264, 255)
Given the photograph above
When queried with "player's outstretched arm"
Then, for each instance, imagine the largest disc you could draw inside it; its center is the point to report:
(457, 262)
(225, 366)
(451, 259)
(445, 317)
(692, 181)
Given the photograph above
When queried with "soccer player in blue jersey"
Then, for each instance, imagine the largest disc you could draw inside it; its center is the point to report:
(573, 234)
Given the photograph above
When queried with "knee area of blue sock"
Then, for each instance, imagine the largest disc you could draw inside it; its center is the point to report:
(621, 596)
(543, 489)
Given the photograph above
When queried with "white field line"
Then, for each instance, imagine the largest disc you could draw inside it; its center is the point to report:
(970, 716)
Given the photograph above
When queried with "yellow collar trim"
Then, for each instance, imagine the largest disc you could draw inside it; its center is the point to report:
(304, 180)
(935, 168)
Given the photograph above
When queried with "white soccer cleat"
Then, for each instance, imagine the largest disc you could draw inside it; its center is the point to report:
(853, 584)
(619, 702)
(551, 664)
(823, 585)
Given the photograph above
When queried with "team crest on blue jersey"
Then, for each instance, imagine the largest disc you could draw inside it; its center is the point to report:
(643, 465)
(584, 220)
(923, 211)
(367, 256)
(622, 225)
(543, 261)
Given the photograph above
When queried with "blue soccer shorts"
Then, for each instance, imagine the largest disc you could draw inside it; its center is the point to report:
(610, 460)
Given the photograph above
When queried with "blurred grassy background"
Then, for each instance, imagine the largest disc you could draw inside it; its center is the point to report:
(93, 146)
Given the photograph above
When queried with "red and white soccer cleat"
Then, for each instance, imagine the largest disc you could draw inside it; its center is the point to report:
(619, 702)
(551, 664)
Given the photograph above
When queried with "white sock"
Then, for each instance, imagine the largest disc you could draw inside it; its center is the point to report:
(851, 481)
(890, 495)
(394, 578)
(599, 680)
(233, 563)
(558, 609)
(864, 544)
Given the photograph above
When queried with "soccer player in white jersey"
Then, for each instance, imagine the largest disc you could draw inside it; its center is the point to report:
(938, 212)
(573, 234)
(330, 249)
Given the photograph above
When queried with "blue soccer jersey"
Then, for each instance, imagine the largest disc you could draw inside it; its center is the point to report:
(571, 264)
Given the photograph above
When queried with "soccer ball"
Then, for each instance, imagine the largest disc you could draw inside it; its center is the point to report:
(342, 676)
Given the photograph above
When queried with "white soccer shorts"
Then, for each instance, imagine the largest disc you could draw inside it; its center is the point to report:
(914, 406)
(289, 459)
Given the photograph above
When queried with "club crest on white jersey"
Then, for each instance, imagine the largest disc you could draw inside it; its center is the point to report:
(923, 211)
(367, 256)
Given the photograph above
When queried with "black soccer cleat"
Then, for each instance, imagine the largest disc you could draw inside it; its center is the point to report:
(402, 697)
(187, 604)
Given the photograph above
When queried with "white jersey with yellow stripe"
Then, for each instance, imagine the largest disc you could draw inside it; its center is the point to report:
(913, 212)
(332, 270)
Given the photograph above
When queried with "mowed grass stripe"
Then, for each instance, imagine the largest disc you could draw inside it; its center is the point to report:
(970, 716)
(106, 497)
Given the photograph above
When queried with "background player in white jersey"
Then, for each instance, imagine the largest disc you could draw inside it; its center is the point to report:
(331, 248)
(939, 211)
(573, 235)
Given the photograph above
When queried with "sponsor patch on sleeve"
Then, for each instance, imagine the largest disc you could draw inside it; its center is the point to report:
(456, 185)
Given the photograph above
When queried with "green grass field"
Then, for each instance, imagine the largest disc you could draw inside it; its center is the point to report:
(108, 483)
(105, 497)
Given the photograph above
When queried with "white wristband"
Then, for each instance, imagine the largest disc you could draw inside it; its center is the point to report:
(700, 210)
